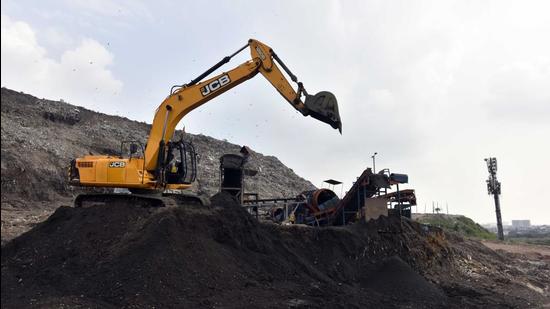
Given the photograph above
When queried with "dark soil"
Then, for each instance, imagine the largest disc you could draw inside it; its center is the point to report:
(130, 256)
(393, 274)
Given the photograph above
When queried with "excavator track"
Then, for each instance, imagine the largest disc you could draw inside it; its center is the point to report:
(140, 200)
(101, 199)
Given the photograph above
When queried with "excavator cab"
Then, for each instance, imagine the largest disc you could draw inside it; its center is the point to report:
(324, 107)
(181, 167)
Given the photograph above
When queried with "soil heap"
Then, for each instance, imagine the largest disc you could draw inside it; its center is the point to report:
(192, 256)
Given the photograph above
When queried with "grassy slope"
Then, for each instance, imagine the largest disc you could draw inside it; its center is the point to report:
(461, 225)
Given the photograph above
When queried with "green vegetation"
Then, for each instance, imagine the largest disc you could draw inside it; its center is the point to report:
(457, 224)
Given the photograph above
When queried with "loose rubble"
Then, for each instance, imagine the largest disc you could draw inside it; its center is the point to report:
(219, 256)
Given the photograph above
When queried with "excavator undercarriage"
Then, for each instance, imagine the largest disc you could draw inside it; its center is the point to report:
(164, 199)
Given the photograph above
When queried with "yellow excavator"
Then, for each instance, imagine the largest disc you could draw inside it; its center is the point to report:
(164, 164)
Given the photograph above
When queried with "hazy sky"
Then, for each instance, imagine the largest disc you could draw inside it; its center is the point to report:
(433, 86)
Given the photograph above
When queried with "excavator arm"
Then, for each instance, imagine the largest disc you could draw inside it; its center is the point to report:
(187, 97)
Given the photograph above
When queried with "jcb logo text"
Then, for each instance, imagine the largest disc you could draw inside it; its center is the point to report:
(117, 164)
(215, 85)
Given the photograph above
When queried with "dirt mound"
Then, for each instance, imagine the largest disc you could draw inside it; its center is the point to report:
(393, 274)
(189, 256)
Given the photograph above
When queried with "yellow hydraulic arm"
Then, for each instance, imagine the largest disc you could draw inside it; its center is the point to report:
(194, 94)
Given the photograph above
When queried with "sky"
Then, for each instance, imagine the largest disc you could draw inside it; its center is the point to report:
(433, 87)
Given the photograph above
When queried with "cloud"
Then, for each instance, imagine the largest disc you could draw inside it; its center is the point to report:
(110, 8)
(81, 75)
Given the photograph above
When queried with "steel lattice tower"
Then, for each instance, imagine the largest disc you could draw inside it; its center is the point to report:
(493, 187)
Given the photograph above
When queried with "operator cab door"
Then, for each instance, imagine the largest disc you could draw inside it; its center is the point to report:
(181, 167)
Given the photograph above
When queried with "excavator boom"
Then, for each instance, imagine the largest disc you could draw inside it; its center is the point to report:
(186, 98)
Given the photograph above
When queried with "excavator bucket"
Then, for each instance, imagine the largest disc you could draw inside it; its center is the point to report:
(324, 107)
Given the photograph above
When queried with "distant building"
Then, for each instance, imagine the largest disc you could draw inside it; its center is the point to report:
(521, 224)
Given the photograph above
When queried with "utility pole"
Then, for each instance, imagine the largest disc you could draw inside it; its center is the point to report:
(374, 162)
(493, 187)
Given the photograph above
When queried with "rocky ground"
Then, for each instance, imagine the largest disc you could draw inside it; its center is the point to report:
(530, 250)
